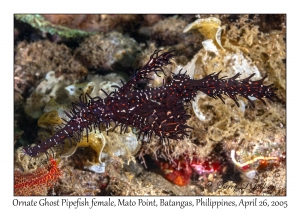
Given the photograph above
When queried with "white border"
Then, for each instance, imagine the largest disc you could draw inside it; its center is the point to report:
(154, 6)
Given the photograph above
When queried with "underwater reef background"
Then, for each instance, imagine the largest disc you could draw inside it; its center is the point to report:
(231, 150)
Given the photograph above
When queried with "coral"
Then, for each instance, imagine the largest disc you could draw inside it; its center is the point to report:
(27, 164)
(210, 28)
(50, 88)
(246, 49)
(125, 145)
(91, 22)
(75, 90)
(37, 182)
(151, 19)
(225, 121)
(95, 141)
(107, 146)
(179, 173)
(217, 122)
(134, 180)
(121, 187)
(34, 60)
(164, 35)
(109, 51)
(258, 151)
(17, 132)
(34, 105)
(180, 170)
(269, 22)
(49, 119)
(269, 183)
(213, 57)
(19, 84)
(94, 88)
(266, 22)
(50, 25)
(75, 181)
(112, 146)
(257, 163)
(230, 121)
(38, 58)
(118, 145)
(266, 50)
(106, 82)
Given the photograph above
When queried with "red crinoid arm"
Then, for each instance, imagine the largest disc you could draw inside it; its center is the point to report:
(38, 182)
